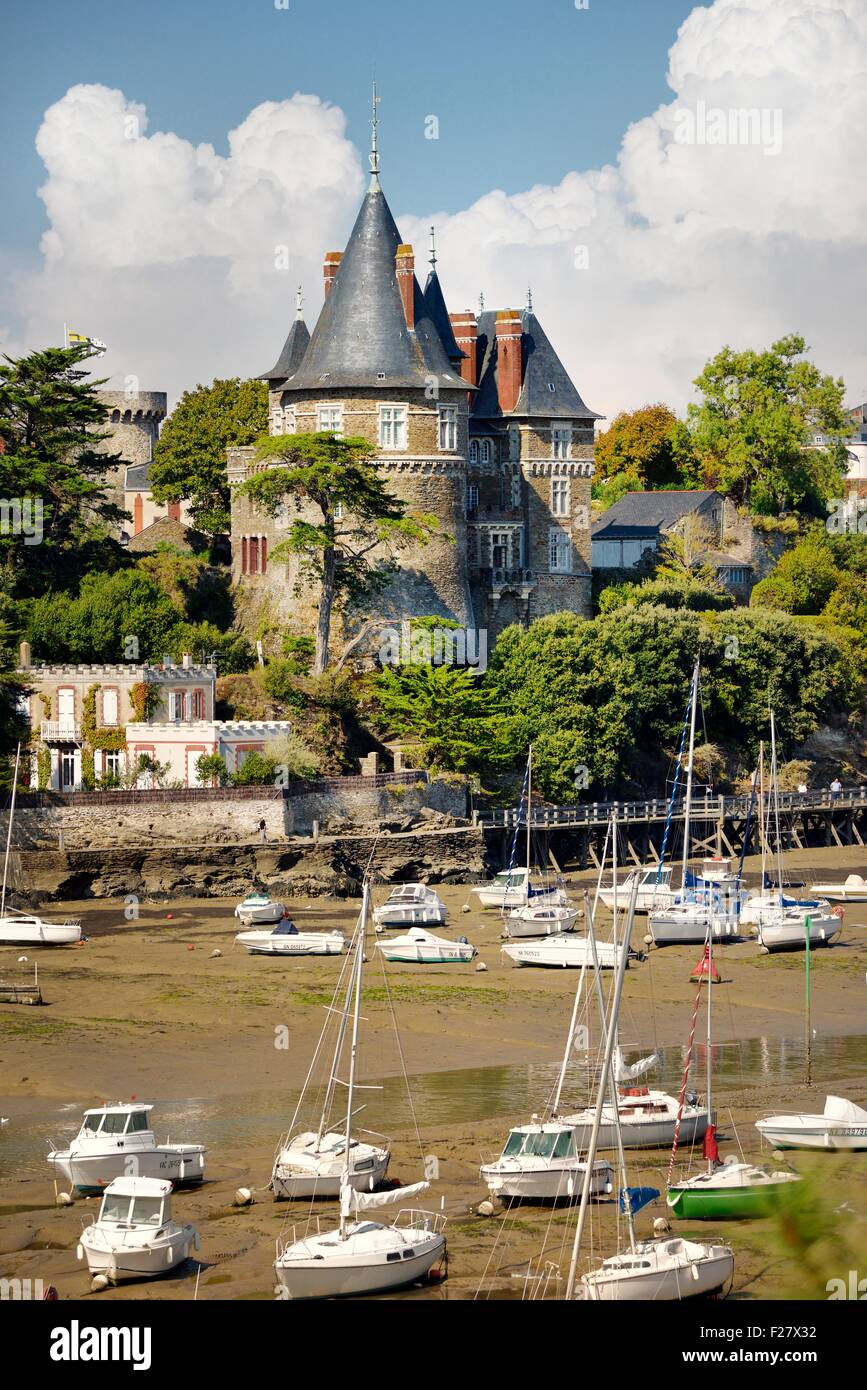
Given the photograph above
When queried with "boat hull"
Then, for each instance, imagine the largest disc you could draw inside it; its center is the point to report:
(792, 936)
(693, 1280)
(567, 952)
(725, 1204)
(837, 1138)
(119, 1262)
(16, 933)
(184, 1166)
(309, 1278)
(513, 1182)
(303, 944)
(290, 1182)
(649, 1134)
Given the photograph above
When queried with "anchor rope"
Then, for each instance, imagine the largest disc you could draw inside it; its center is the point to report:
(685, 1078)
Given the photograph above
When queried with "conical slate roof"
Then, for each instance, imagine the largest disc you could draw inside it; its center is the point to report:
(291, 356)
(435, 307)
(541, 369)
(361, 337)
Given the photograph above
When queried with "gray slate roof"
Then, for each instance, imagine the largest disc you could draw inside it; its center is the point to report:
(291, 355)
(137, 477)
(639, 512)
(435, 306)
(540, 366)
(361, 332)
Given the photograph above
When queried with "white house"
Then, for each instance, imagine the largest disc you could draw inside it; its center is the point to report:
(182, 742)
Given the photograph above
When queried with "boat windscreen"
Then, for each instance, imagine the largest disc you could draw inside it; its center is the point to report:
(147, 1211)
(536, 1144)
(91, 1123)
(114, 1207)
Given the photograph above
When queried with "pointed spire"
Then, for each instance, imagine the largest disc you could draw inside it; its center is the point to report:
(433, 250)
(299, 304)
(374, 149)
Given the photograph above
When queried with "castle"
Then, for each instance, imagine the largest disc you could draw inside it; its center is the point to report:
(474, 419)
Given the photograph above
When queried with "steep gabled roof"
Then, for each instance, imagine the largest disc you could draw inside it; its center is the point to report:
(361, 337)
(541, 369)
(435, 308)
(292, 354)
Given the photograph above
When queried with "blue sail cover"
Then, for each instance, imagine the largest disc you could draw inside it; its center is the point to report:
(634, 1198)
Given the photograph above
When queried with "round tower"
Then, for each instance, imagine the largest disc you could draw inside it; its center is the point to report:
(132, 425)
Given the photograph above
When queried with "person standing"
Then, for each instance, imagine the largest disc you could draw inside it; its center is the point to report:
(836, 789)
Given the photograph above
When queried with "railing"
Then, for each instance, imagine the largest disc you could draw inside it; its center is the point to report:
(708, 808)
(432, 1221)
(60, 731)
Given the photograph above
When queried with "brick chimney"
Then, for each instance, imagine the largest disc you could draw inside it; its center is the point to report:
(330, 266)
(405, 267)
(508, 358)
(466, 332)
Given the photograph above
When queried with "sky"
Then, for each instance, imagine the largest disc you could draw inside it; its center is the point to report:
(172, 172)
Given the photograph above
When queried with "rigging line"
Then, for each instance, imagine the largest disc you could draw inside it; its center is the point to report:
(400, 1054)
(677, 771)
(685, 1078)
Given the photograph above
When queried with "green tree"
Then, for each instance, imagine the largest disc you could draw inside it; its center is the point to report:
(231, 651)
(643, 450)
(257, 770)
(190, 457)
(211, 770)
(752, 429)
(13, 723)
(803, 579)
(338, 483)
(459, 722)
(50, 419)
(95, 625)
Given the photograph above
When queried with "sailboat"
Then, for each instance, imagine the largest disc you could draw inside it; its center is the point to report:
(361, 1256)
(513, 887)
(25, 928)
(784, 924)
(715, 896)
(542, 1160)
(733, 1188)
(316, 1163)
(652, 1270)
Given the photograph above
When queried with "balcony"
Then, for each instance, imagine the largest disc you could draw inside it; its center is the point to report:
(499, 579)
(60, 731)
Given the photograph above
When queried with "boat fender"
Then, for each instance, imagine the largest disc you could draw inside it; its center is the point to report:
(63, 1199)
(462, 941)
(243, 1197)
(79, 1252)
(838, 912)
(196, 1241)
(98, 1283)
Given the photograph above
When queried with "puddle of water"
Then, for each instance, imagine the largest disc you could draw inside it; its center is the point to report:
(475, 1095)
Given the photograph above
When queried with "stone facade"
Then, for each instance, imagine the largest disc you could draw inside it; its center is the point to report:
(473, 420)
(132, 426)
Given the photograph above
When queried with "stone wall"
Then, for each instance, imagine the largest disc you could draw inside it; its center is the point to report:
(94, 821)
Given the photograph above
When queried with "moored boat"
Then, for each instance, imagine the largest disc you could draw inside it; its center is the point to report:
(26, 929)
(541, 1162)
(134, 1236)
(660, 1271)
(418, 947)
(259, 907)
(286, 940)
(787, 931)
(647, 1120)
(411, 905)
(842, 1125)
(565, 950)
(730, 1191)
(853, 889)
(314, 1165)
(540, 919)
(116, 1139)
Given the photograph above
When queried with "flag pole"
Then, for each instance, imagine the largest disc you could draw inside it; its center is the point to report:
(808, 922)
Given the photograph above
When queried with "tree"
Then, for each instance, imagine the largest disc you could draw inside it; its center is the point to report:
(51, 469)
(211, 770)
(643, 450)
(339, 484)
(257, 770)
(13, 723)
(752, 429)
(115, 617)
(459, 722)
(295, 761)
(190, 456)
(803, 579)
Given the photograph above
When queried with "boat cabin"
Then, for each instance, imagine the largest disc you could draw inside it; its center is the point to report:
(131, 1202)
(115, 1121)
(540, 1141)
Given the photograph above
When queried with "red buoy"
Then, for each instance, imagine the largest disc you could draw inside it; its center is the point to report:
(701, 971)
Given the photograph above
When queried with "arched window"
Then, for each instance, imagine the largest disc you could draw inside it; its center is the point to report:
(486, 451)
(474, 451)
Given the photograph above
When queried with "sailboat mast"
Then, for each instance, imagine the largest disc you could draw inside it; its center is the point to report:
(353, 1058)
(775, 784)
(338, 1048)
(688, 806)
(604, 1082)
(9, 829)
(529, 815)
(762, 810)
(709, 1043)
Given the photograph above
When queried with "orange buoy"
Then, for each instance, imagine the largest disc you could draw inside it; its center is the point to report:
(701, 971)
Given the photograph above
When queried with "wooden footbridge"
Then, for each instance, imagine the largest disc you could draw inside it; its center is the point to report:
(574, 836)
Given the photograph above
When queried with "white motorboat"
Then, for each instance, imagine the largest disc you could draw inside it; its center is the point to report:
(134, 1236)
(654, 889)
(363, 1257)
(648, 1120)
(853, 889)
(418, 947)
(788, 930)
(26, 929)
(259, 907)
(842, 1125)
(117, 1141)
(513, 888)
(540, 919)
(565, 950)
(313, 1165)
(540, 1162)
(660, 1271)
(411, 905)
(286, 940)
(359, 1256)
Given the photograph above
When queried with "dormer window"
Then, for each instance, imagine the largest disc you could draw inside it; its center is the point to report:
(448, 428)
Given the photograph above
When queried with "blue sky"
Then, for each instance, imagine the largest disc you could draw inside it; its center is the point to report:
(524, 91)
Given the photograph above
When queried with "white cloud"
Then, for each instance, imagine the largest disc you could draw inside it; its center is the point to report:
(166, 250)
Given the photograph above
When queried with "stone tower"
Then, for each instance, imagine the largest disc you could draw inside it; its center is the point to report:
(474, 420)
(133, 426)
